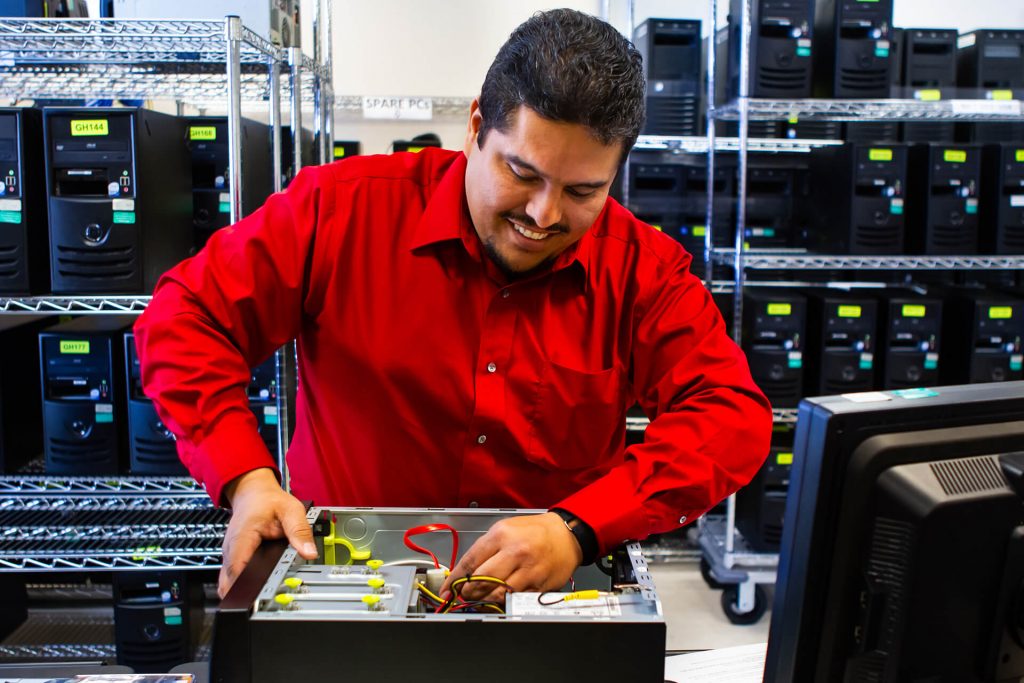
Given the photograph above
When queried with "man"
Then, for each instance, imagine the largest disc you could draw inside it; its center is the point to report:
(472, 328)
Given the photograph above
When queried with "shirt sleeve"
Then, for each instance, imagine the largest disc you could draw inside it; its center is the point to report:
(710, 425)
(220, 313)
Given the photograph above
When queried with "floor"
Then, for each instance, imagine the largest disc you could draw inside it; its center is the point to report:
(693, 611)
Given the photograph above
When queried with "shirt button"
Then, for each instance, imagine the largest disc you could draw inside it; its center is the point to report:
(491, 367)
(505, 294)
(482, 438)
(682, 520)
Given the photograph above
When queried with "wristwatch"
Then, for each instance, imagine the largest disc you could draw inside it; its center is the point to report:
(582, 532)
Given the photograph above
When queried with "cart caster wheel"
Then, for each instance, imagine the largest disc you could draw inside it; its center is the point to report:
(705, 572)
(730, 600)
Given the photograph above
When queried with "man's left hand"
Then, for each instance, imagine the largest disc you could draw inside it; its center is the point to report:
(530, 553)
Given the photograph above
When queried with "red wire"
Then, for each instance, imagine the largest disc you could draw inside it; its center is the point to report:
(428, 528)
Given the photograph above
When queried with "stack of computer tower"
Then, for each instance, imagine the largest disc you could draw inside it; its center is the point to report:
(774, 336)
(991, 62)
(852, 48)
(841, 343)
(21, 421)
(263, 392)
(925, 69)
(777, 186)
(207, 141)
(24, 240)
(982, 334)
(1002, 199)
(672, 54)
(857, 199)
(82, 367)
(158, 618)
(761, 505)
(943, 198)
(152, 447)
(120, 198)
(910, 340)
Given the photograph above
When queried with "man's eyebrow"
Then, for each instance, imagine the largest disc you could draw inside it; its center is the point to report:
(522, 163)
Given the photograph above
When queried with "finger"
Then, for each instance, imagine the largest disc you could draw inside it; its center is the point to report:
(485, 546)
(500, 566)
(238, 549)
(297, 530)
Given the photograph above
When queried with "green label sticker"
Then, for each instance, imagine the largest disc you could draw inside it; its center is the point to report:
(880, 155)
(339, 151)
(225, 207)
(913, 311)
(803, 52)
(849, 311)
(127, 217)
(796, 359)
(912, 394)
(10, 216)
(896, 207)
(865, 365)
(1001, 95)
(1016, 363)
(202, 132)
(972, 206)
(880, 51)
(928, 95)
(1000, 312)
(172, 621)
(1020, 156)
(69, 346)
(780, 309)
(930, 364)
(104, 417)
(90, 127)
(700, 231)
(954, 156)
(784, 459)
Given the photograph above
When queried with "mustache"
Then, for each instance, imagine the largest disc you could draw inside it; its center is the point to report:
(528, 222)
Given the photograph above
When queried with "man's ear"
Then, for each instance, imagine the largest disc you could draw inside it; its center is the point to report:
(473, 125)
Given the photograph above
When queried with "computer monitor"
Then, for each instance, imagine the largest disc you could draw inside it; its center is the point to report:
(902, 554)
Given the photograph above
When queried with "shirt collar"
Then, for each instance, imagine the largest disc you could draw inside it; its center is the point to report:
(446, 218)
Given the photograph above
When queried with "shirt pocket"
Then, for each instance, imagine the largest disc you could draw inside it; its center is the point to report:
(577, 419)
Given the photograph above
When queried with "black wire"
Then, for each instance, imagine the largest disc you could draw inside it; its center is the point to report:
(540, 599)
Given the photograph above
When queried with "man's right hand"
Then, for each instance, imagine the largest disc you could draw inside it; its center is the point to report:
(260, 509)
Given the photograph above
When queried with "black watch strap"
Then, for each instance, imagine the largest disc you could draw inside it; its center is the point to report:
(584, 535)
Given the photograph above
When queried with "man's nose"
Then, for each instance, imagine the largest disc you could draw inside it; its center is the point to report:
(545, 208)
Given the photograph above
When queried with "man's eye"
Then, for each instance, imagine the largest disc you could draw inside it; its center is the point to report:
(519, 175)
(582, 194)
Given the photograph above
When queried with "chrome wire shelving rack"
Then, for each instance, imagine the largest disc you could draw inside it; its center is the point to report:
(50, 305)
(975, 110)
(794, 260)
(135, 59)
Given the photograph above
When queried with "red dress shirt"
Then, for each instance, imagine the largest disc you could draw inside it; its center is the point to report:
(427, 379)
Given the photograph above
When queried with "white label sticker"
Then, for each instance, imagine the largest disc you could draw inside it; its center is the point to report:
(172, 611)
(104, 408)
(1017, 200)
(796, 355)
(931, 357)
(10, 205)
(270, 410)
(224, 197)
(526, 605)
(398, 108)
(867, 357)
(123, 204)
(1000, 107)
(867, 397)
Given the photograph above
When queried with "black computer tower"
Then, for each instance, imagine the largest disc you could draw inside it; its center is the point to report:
(206, 138)
(852, 48)
(926, 70)
(263, 401)
(21, 417)
(991, 62)
(982, 334)
(24, 240)
(672, 54)
(343, 149)
(781, 35)
(872, 131)
(841, 344)
(120, 198)
(943, 199)
(857, 199)
(777, 185)
(909, 341)
(774, 336)
(158, 618)
(151, 446)
(1002, 199)
(82, 370)
(761, 504)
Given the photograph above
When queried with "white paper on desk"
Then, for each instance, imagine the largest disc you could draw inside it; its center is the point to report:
(742, 664)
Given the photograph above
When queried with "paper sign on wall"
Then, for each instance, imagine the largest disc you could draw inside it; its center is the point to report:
(398, 108)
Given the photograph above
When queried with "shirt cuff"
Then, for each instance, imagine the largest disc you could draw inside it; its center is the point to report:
(231, 449)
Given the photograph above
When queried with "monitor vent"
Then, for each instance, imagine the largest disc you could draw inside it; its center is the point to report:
(969, 475)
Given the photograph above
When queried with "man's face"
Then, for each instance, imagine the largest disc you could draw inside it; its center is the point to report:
(536, 188)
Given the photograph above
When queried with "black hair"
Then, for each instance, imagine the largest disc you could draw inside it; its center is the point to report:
(570, 67)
